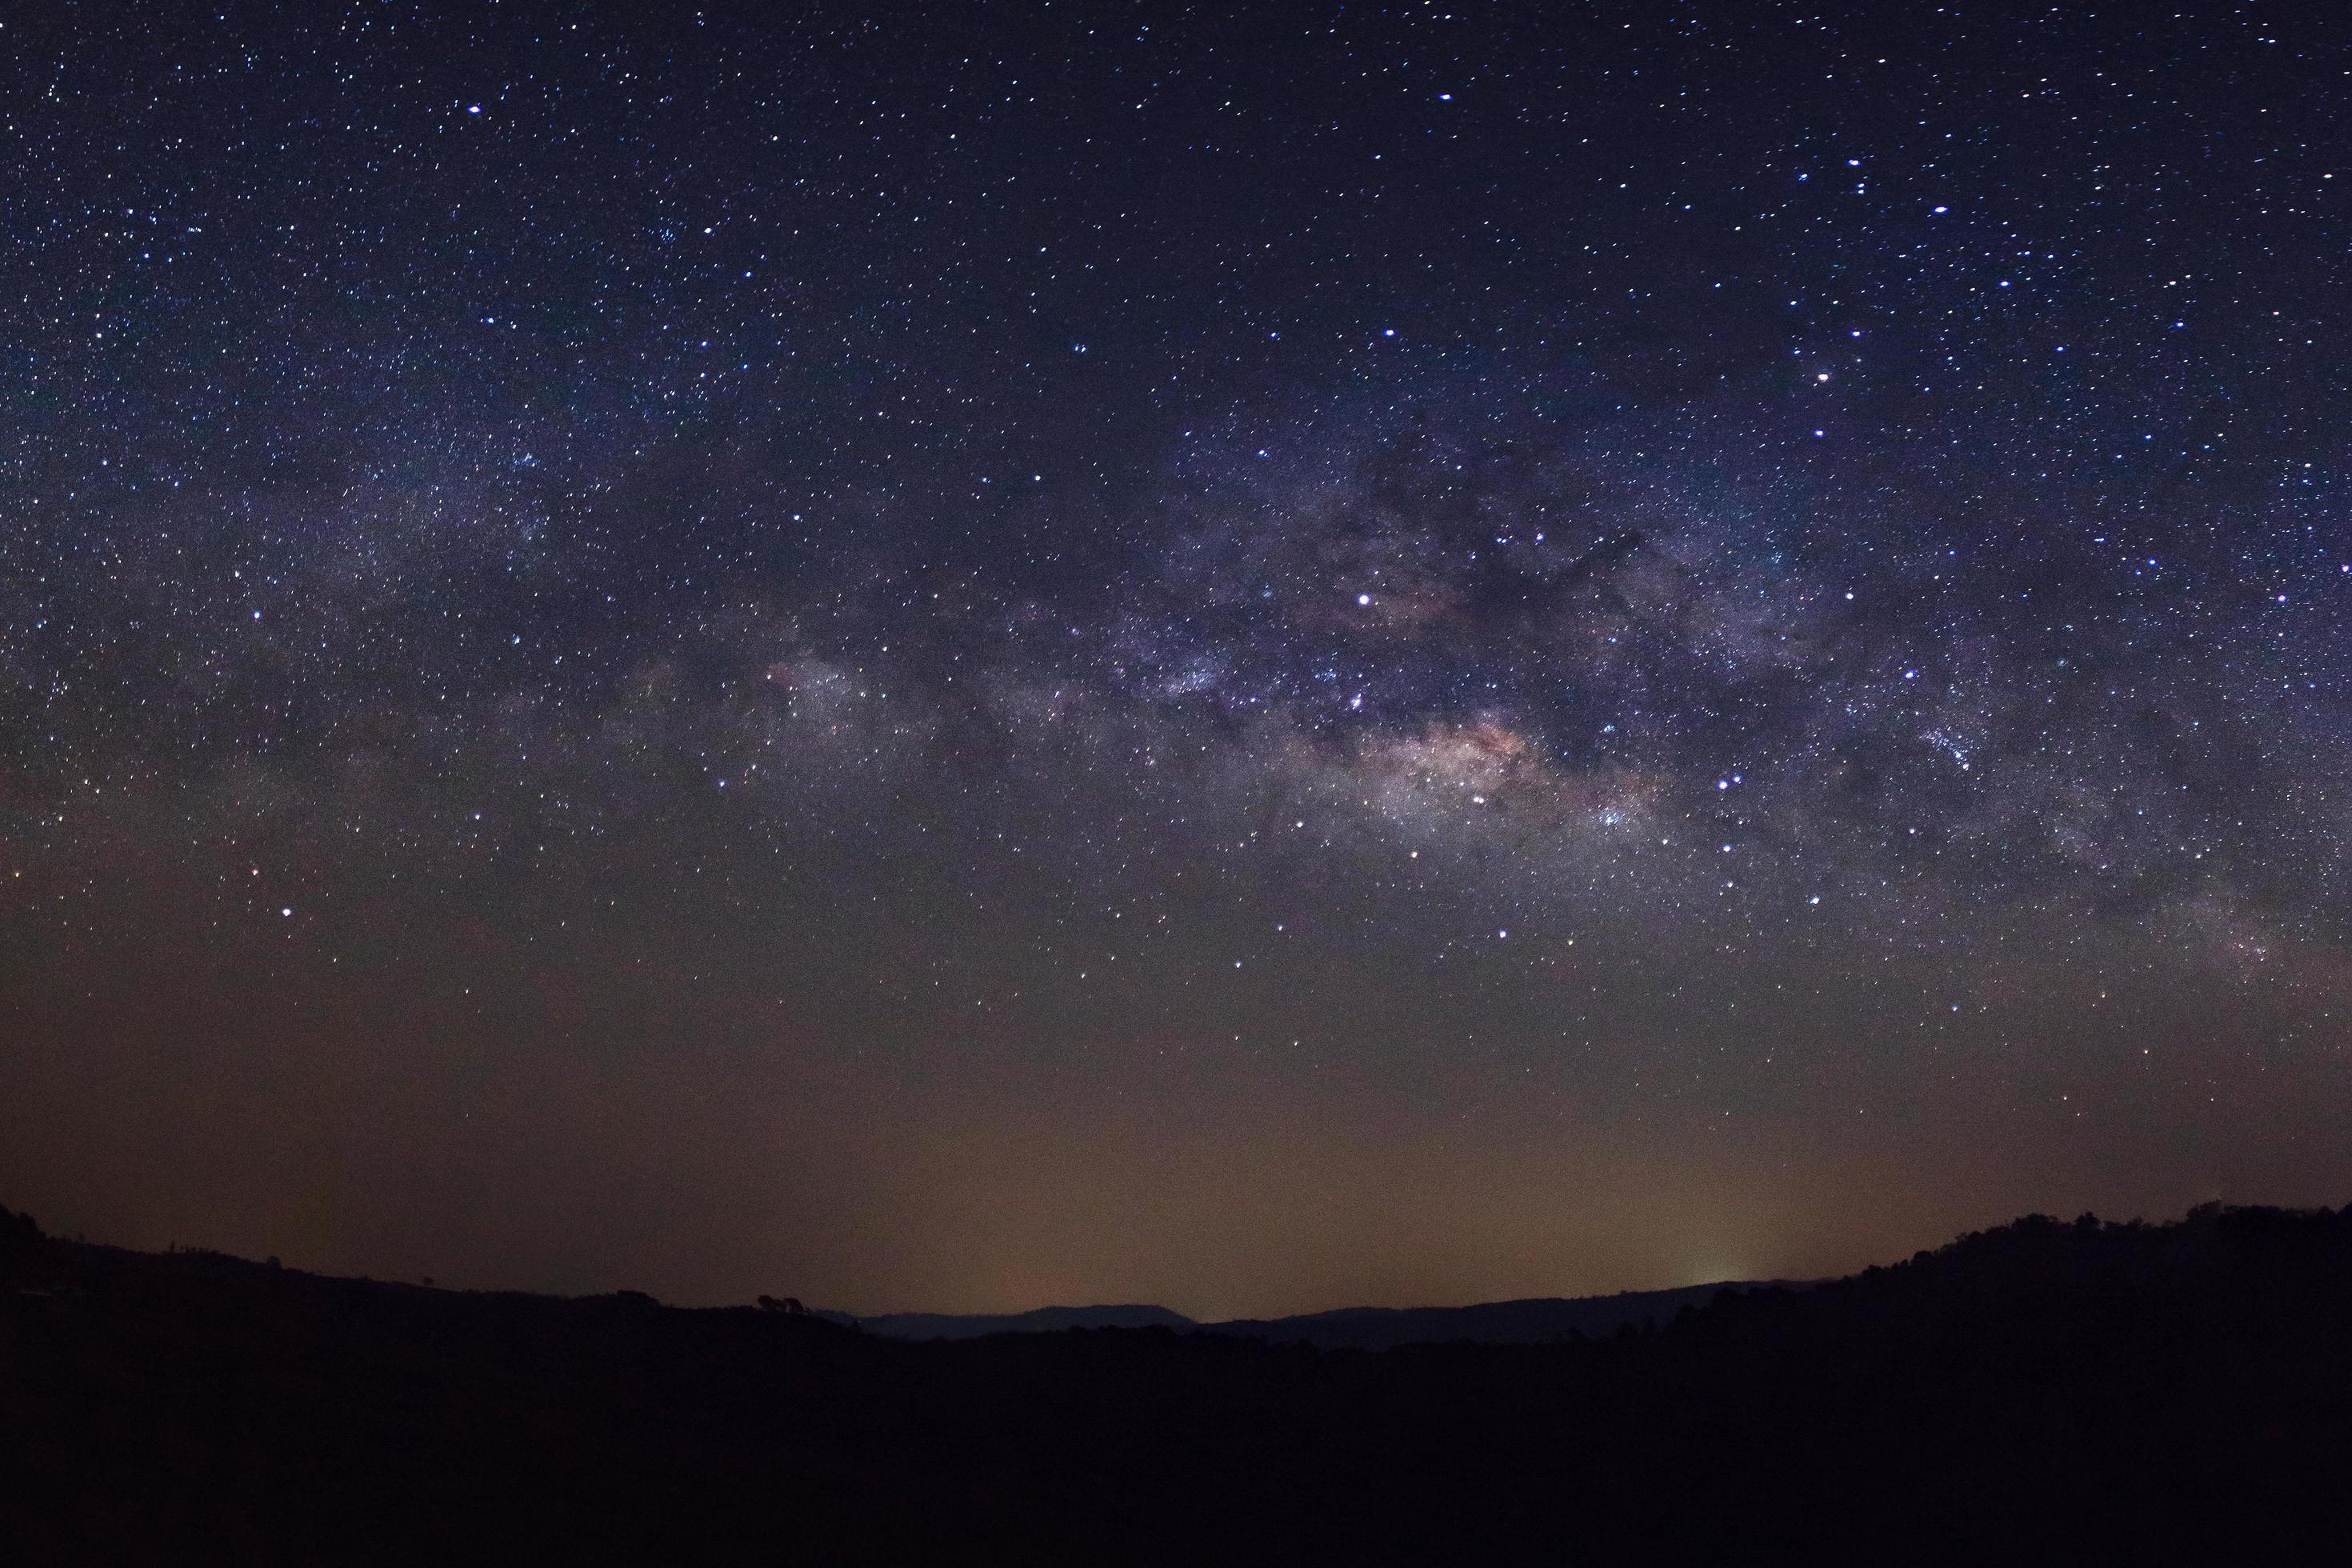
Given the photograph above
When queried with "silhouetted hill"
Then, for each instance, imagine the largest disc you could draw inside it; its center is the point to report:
(2045, 1391)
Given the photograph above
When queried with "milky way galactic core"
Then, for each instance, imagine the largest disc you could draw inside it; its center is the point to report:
(1254, 657)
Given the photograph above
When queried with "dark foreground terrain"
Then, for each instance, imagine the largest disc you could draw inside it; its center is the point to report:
(2045, 1391)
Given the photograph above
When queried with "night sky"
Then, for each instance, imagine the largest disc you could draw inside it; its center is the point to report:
(1255, 658)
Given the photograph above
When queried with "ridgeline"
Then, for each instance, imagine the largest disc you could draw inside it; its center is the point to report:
(2046, 1389)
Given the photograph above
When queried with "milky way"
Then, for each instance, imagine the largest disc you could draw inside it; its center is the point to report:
(1257, 659)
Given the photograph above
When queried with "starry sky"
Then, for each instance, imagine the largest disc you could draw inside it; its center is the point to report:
(1257, 658)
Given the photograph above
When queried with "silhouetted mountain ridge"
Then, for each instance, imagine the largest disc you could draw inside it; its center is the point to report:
(2047, 1389)
(1528, 1321)
(1039, 1321)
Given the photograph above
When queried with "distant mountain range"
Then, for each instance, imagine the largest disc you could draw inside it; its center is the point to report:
(1042, 1320)
(1523, 1322)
